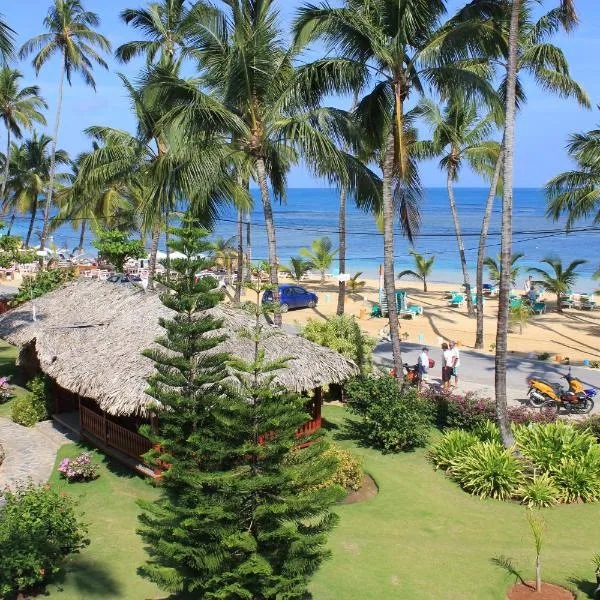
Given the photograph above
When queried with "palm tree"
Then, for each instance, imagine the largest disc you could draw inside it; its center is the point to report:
(520, 314)
(224, 253)
(547, 66)
(6, 40)
(71, 35)
(320, 254)
(355, 283)
(29, 174)
(560, 280)
(298, 267)
(395, 48)
(19, 108)
(422, 270)
(460, 136)
(493, 267)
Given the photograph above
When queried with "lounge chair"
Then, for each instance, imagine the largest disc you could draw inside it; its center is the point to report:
(416, 309)
(448, 295)
(538, 308)
(457, 301)
(588, 305)
(376, 311)
(515, 302)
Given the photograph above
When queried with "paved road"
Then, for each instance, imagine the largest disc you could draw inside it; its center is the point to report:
(477, 370)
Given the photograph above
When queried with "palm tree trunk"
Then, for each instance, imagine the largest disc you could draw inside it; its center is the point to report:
(153, 251)
(81, 235)
(32, 220)
(12, 221)
(6, 167)
(342, 251)
(425, 284)
(388, 256)
(240, 257)
(506, 246)
(167, 249)
(558, 305)
(489, 205)
(271, 238)
(461, 246)
(50, 191)
(248, 247)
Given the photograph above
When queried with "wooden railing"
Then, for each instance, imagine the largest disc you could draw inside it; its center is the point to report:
(309, 427)
(114, 435)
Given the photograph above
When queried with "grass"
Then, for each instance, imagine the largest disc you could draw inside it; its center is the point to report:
(8, 355)
(422, 537)
(106, 569)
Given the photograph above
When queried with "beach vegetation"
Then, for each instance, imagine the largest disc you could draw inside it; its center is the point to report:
(344, 335)
(35, 405)
(539, 492)
(519, 315)
(452, 444)
(493, 267)
(321, 255)
(349, 473)
(355, 283)
(298, 268)
(422, 270)
(42, 282)
(6, 40)
(117, 248)
(590, 424)
(558, 279)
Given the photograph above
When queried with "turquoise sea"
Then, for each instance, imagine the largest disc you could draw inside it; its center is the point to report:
(312, 212)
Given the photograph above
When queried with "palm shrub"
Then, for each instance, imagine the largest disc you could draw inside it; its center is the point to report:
(560, 279)
(493, 267)
(297, 268)
(320, 255)
(540, 491)
(344, 335)
(487, 431)
(392, 419)
(520, 314)
(488, 470)
(422, 270)
(355, 284)
(591, 425)
(578, 477)
(454, 443)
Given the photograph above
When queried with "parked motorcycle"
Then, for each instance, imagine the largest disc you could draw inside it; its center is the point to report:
(575, 398)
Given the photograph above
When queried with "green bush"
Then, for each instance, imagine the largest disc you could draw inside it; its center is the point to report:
(33, 407)
(487, 431)
(349, 473)
(488, 470)
(344, 335)
(460, 412)
(454, 443)
(590, 425)
(41, 283)
(547, 445)
(578, 478)
(38, 529)
(540, 492)
(23, 412)
(391, 419)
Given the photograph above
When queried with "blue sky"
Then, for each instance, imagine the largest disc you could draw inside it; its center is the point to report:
(542, 129)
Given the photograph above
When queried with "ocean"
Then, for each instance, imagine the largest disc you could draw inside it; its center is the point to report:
(313, 212)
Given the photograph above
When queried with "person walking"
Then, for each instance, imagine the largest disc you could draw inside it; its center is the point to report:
(455, 362)
(423, 365)
(447, 360)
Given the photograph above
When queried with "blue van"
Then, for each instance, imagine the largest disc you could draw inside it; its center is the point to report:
(292, 296)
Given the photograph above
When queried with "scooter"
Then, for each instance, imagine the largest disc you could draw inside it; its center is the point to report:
(575, 399)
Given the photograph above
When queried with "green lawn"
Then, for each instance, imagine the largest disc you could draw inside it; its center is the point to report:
(423, 537)
(8, 355)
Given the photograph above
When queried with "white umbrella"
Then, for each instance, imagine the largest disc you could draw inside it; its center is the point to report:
(178, 255)
(159, 255)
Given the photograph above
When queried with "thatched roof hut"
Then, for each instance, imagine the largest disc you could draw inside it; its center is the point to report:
(88, 336)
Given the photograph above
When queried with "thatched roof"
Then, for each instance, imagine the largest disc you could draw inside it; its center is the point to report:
(89, 337)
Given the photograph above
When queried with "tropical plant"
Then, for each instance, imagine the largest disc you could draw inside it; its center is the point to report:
(6, 40)
(537, 526)
(560, 279)
(578, 478)
(590, 424)
(19, 108)
(539, 492)
(349, 473)
(487, 431)
(355, 284)
(297, 268)
(29, 176)
(80, 468)
(422, 270)
(344, 335)
(453, 443)
(39, 529)
(321, 255)
(493, 267)
(34, 286)
(224, 253)
(488, 470)
(115, 247)
(520, 314)
(71, 35)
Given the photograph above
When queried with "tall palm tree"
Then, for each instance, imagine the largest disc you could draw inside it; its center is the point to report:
(6, 40)
(545, 63)
(560, 279)
(19, 108)
(71, 35)
(567, 17)
(245, 61)
(29, 175)
(297, 268)
(422, 270)
(320, 254)
(396, 49)
(493, 267)
(224, 253)
(460, 136)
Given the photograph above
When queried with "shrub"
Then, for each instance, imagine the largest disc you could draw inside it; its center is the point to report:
(392, 419)
(24, 412)
(33, 407)
(6, 390)
(578, 478)
(79, 469)
(463, 412)
(454, 442)
(487, 431)
(41, 283)
(547, 445)
(38, 530)
(543, 356)
(521, 415)
(349, 473)
(540, 491)
(590, 425)
(488, 470)
(344, 335)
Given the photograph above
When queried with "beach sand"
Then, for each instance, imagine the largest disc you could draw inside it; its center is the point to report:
(574, 333)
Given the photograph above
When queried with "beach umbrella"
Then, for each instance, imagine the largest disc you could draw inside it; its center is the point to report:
(177, 255)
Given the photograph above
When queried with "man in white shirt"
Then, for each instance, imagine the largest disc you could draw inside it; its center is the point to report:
(455, 362)
(423, 364)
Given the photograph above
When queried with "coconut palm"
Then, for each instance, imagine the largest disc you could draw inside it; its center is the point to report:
(355, 283)
(71, 35)
(493, 267)
(321, 255)
(559, 280)
(520, 314)
(19, 108)
(29, 174)
(6, 40)
(396, 49)
(224, 253)
(297, 268)
(460, 135)
(422, 270)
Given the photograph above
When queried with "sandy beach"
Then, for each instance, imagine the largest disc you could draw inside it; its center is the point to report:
(574, 333)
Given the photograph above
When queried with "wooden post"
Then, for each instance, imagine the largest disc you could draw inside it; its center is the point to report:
(318, 402)
(154, 423)
(79, 411)
(105, 427)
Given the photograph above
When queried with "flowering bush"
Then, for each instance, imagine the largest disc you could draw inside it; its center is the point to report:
(6, 391)
(78, 469)
(521, 415)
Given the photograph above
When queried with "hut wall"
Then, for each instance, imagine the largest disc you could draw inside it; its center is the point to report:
(28, 361)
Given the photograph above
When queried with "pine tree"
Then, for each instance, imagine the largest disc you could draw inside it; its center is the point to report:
(243, 514)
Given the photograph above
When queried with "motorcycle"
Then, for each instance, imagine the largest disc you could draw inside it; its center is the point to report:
(575, 398)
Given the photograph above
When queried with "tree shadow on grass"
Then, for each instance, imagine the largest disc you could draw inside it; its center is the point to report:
(90, 579)
(585, 586)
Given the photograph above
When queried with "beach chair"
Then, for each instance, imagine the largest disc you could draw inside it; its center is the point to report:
(489, 289)
(376, 311)
(448, 295)
(538, 308)
(416, 309)
(457, 301)
(588, 304)
(515, 302)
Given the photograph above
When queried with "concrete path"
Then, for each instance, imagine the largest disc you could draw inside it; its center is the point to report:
(30, 452)
(477, 370)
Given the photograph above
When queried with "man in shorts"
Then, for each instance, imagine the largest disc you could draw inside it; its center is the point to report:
(447, 360)
(456, 362)
(423, 364)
